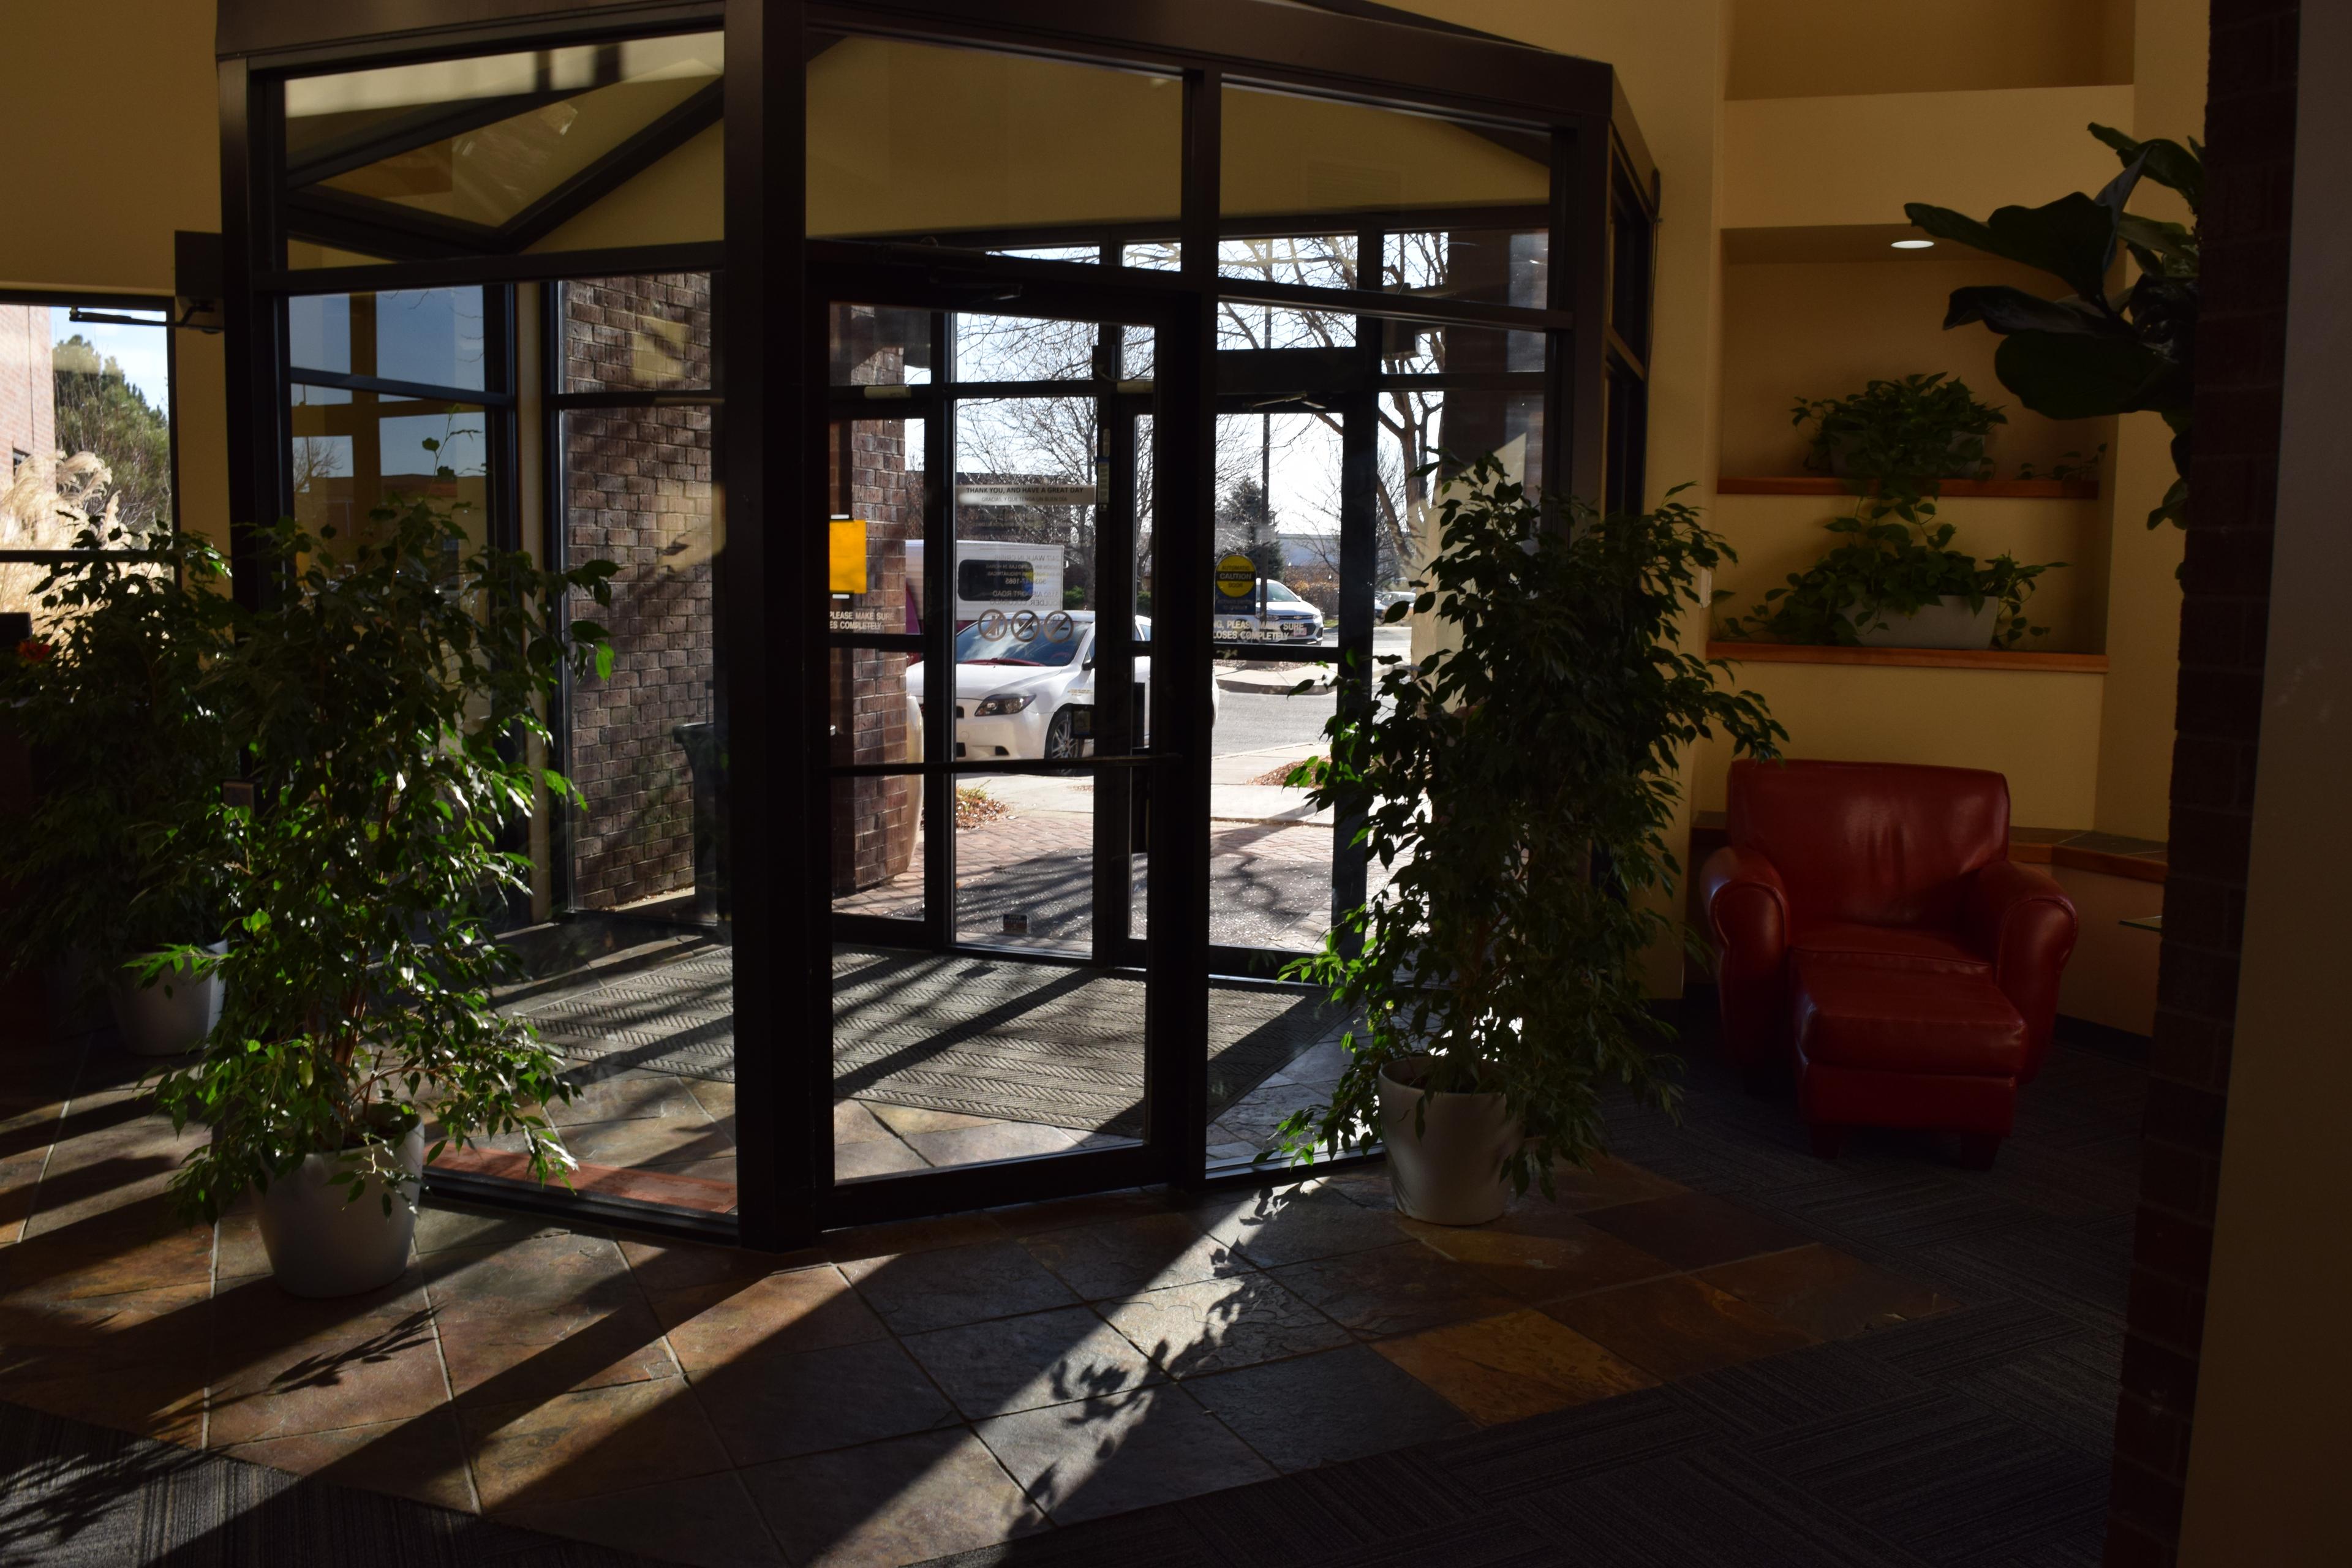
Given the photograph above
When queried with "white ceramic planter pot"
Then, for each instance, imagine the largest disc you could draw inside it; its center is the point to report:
(1449, 1172)
(1947, 623)
(169, 1016)
(321, 1245)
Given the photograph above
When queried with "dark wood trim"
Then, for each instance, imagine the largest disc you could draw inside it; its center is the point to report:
(1824, 485)
(530, 267)
(378, 32)
(1909, 657)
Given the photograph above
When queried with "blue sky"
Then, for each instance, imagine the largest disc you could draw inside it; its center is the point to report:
(139, 350)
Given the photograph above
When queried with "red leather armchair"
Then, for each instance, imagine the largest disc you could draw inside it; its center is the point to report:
(1873, 937)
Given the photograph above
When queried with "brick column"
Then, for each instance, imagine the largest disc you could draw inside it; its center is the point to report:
(2233, 487)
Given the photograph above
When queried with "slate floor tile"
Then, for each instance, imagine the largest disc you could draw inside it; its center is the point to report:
(1043, 1358)
(1106, 1456)
(804, 1402)
(1508, 1368)
(907, 1500)
(1221, 1324)
(1825, 1292)
(1293, 1225)
(1124, 1257)
(1395, 1290)
(1676, 1327)
(912, 1291)
(1313, 1410)
(1693, 1230)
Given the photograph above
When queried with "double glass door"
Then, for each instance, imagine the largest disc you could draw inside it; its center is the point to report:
(994, 703)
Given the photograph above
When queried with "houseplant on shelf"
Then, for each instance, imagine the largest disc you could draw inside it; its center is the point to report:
(1894, 579)
(1517, 787)
(382, 698)
(117, 864)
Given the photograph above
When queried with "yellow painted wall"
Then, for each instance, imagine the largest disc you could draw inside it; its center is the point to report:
(1674, 57)
(1853, 160)
(1809, 48)
(1777, 535)
(2111, 979)
(1823, 329)
(113, 107)
(2040, 729)
(2143, 594)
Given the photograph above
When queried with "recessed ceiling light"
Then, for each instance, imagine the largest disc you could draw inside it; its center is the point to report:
(1914, 244)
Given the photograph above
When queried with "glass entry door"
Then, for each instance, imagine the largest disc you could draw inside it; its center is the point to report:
(990, 693)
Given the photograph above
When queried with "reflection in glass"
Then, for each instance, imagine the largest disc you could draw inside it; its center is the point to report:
(650, 332)
(638, 491)
(429, 336)
(353, 452)
(1487, 267)
(878, 346)
(874, 527)
(485, 139)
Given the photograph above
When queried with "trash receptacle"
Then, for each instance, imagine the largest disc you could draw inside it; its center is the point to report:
(700, 739)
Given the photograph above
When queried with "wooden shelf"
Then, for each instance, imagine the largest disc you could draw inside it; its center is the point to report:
(1909, 657)
(1821, 485)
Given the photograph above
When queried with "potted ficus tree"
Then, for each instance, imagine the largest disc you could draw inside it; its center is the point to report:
(383, 698)
(117, 865)
(1518, 786)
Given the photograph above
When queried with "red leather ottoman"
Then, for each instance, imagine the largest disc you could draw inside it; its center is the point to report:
(1905, 1047)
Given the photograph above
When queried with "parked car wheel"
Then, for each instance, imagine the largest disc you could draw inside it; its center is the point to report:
(1062, 737)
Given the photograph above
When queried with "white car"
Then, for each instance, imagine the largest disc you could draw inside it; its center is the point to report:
(1289, 618)
(1026, 686)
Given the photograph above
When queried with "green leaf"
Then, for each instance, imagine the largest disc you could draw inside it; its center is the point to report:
(2008, 309)
(2166, 161)
(2064, 376)
(2073, 239)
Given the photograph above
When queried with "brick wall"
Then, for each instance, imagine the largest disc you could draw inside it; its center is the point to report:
(28, 390)
(637, 491)
(875, 819)
(2234, 483)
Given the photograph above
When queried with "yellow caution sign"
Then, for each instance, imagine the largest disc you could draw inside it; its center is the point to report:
(848, 567)
(1237, 577)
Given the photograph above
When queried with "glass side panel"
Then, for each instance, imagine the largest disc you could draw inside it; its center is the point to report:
(911, 141)
(634, 986)
(1485, 266)
(1284, 153)
(1424, 348)
(1304, 261)
(652, 332)
(429, 336)
(874, 528)
(637, 491)
(878, 346)
(354, 452)
(551, 149)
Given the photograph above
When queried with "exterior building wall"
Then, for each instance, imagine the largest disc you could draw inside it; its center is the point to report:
(28, 390)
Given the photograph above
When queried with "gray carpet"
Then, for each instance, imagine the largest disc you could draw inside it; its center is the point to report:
(1977, 1438)
(78, 1496)
(1015, 1041)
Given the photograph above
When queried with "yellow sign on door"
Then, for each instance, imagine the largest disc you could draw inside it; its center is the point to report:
(848, 554)
(1237, 577)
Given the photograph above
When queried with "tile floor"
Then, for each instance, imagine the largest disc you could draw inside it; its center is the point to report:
(893, 1395)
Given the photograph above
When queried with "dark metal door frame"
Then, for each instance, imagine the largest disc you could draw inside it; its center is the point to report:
(1172, 1149)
